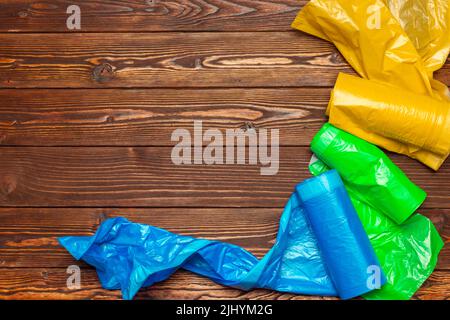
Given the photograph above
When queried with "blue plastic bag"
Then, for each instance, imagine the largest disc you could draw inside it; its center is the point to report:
(321, 249)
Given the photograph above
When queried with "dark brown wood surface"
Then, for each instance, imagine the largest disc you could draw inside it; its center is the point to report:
(147, 117)
(151, 15)
(146, 177)
(86, 119)
(170, 59)
(175, 59)
(50, 283)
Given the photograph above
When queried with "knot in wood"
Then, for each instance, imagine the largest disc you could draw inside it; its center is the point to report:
(23, 14)
(103, 72)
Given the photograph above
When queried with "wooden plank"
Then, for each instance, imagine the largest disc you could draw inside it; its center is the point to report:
(47, 283)
(51, 284)
(28, 236)
(239, 59)
(155, 60)
(146, 177)
(150, 15)
(123, 117)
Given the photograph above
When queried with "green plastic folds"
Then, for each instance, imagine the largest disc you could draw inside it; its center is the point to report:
(368, 173)
(395, 46)
(406, 244)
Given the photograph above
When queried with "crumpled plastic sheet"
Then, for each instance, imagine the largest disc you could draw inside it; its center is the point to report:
(395, 45)
(382, 196)
(321, 249)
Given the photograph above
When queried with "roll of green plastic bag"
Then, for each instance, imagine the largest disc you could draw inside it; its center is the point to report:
(383, 196)
(395, 45)
(368, 172)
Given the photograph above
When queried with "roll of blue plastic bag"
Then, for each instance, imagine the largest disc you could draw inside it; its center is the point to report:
(321, 249)
(340, 235)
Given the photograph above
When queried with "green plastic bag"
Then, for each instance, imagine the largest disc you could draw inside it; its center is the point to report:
(382, 196)
(367, 170)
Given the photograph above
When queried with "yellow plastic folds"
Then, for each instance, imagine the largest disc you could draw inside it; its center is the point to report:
(389, 116)
(395, 45)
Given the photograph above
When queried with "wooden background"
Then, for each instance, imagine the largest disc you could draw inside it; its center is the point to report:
(86, 119)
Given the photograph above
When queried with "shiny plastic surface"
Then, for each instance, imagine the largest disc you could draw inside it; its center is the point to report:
(427, 23)
(397, 45)
(401, 121)
(341, 238)
(368, 172)
(321, 249)
(408, 252)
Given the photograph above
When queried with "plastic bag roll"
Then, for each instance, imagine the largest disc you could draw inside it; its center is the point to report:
(408, 252)
(367, 171)
(392, 118)
(129, 255)
(340, 235)
(395, 45)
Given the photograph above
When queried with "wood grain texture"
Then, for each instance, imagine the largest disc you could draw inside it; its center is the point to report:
(150, 15)
(178, 60)
(45, 283)
(86, 119)
(205, 59)
(110, 117)
(28, 236)
(146, 176)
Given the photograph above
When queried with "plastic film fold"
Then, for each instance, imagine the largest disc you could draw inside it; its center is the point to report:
(406, 243)
(395, 45)
(321, 249)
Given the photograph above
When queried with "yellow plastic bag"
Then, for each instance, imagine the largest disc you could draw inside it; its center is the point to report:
(426, 24)
(408, 123)
(397, 45)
